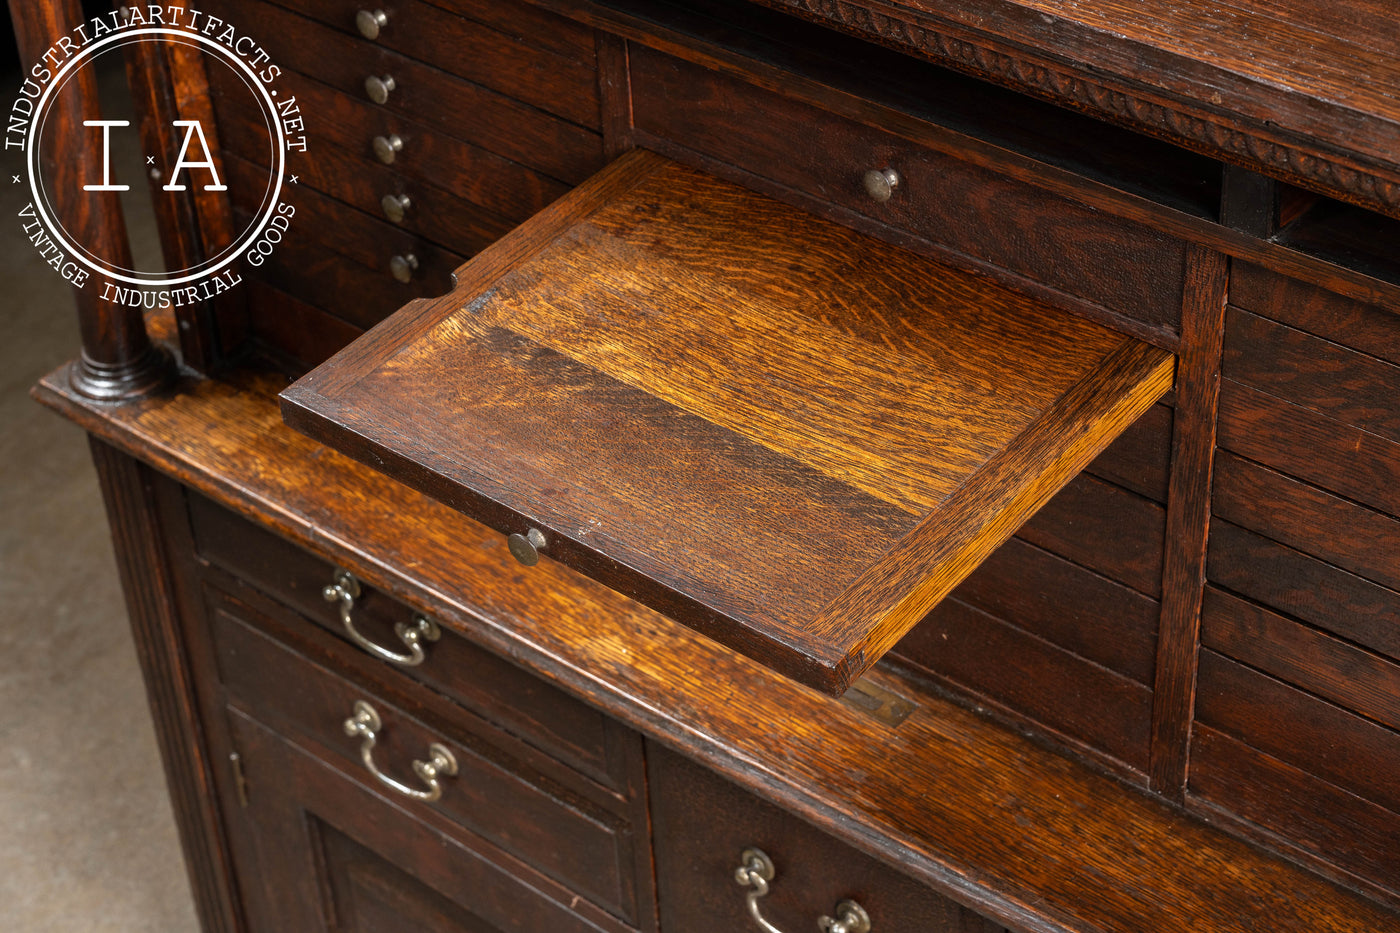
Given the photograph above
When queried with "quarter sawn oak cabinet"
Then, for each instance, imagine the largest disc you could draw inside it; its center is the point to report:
(867, 465)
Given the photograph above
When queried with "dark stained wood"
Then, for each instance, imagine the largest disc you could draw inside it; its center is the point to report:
(1068, 605)
(291, 334)
(1188, 518)
(1303, 586)
(498, 691)
(1309, 733)
(1299, 441)
(1346, 836)
(563, 835)
(469, 172)
(118, 359)
(560, 84)
(1328, 667)
(1369, 328)
(1140, 459)
(1249, 202)
(1003, 665)
(143, 565)
(748, 420)
(1308, 519)
(941, 197)
(1078, 858)
(1105, 528)
(712, 822)
(614, 94)
(529, 24)
(1314, 373)
(561, 149)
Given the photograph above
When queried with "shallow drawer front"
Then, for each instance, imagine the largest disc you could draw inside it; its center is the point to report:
(989, 217)
(521, 704)
(704, 825)
(573, 840)
(1298, 722)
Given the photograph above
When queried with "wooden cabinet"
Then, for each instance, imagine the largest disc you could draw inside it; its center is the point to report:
(1166, 701)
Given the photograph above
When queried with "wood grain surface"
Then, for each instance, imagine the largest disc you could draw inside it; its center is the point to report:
(792, 436)
(994, 820)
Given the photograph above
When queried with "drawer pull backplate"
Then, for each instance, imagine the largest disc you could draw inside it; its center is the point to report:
(366, 724)
(756, 870)
(345, 589)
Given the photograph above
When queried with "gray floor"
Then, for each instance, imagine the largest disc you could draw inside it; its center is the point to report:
(87, 841)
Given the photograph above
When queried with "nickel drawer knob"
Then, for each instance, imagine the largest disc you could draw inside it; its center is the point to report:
(378, 88)
(370, 22)
(403, 267)
(526, 548)
(756, 870)
(880, 183)
(364, 723)
(394, 206)
(344, 589)
(386, 148)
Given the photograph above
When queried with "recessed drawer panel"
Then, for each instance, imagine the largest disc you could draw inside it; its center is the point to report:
(709, 824)
(989, 217)
(476, 784)
(501, 692)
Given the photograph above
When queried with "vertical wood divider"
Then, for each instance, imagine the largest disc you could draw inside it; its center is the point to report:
(614, 94)
(1188, 517)
(118, 360)
(149, 587)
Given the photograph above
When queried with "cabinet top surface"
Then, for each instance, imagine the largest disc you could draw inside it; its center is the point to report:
(790, 435)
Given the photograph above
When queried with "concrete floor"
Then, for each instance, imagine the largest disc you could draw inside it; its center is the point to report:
(87, 840)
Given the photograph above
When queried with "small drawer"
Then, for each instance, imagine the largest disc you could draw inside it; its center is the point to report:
(709, 824)
(481, 788)
(399, 85)
(994, 219)
(560, 79)
(377, 139)
(519, 703)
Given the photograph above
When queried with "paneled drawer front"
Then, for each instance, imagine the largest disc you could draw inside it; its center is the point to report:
(587, 847)
(707, 825)
(1298, 725)
(989, 217)
(499, 691)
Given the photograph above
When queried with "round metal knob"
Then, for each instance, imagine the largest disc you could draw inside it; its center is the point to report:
(369, 23)
(403, 267)
(394, 206)
(378, 88)
(880, 183)
(387, 147)
(526, 548)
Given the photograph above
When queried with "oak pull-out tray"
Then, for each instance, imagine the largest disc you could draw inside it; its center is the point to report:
(785, 434)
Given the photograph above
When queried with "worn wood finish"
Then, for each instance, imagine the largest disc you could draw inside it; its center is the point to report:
(1140, 459)
(292, 335)
(1303, 586)
(940, 198)
(1370, 328)
(933, 455)
(144, 567)
(587, 847)
(547, 143)
(1188, 518)
(939, 796)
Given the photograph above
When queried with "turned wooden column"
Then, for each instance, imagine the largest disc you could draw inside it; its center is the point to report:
(118, 360)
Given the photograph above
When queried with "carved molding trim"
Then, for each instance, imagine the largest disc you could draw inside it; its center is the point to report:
(1232, 141)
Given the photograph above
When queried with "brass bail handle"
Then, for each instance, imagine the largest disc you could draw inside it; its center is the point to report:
(756, 870)
(344, 589)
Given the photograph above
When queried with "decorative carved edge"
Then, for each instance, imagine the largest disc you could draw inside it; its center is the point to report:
(1220, 137)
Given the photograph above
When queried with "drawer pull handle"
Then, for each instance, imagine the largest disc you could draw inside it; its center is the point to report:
(880, 183)
(378, 88)
(755, 871)
(386, 148)
(366, 725)
(403, 267)
(346, 589)
(395, 206)
(370, 22)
